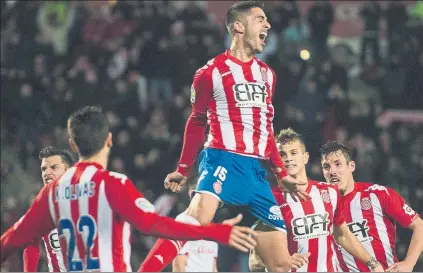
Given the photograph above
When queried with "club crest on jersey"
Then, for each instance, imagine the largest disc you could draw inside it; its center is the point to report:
(325, 196)
(217, 186)
(365, 203)
(263, 72)
(250, 94)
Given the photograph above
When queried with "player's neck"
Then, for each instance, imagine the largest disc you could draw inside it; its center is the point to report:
(239, 51)
(349, 188)
(302, 176)
(99, 158)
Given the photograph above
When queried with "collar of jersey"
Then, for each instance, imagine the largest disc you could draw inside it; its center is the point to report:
(238, 61)
(87, 163)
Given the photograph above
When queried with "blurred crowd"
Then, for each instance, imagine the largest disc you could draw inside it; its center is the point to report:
(136, 59)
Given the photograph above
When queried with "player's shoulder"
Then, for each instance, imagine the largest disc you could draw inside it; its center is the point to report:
(366, 187)
(113, 177)
(211, 64)
(263, 64)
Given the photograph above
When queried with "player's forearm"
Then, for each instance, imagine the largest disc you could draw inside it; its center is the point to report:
(416, 244)
(31, 256)
(195, 131)
(179, 263)
(352, 245)
(276, 160)
(155, 225)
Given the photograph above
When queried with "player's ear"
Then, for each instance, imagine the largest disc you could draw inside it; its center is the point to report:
(239, 27)
(73, 146)
(352, 165)
(306, 157)
(109, 141)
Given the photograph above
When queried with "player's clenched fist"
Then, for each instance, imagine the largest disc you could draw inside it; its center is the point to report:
(175, 181)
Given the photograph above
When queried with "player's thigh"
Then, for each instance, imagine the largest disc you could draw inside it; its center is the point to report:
(272, 248)
(203, 207)
(255, 263)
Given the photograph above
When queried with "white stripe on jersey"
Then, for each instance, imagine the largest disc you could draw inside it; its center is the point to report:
(49, 262)
(333, 196)
(298, 212)
(126, 233)
(222, 111)
(357, 216)
(61, 261)
(105, 221)
(381, 228)
(264, 134)
(318, 206)
(246, 112)
(83, 199)
(64, 205)
(51, 207)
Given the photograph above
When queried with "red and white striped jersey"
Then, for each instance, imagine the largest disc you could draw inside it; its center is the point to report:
(240, 109)
(235, 98)
(371, 212)
(54, 252)
(92, 209)
(310, 225)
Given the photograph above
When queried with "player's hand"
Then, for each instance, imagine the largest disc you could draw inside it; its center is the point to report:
(298, 260)
(242, 238)
(233, 221)
(291, 186)
(175, 181)
(400, 267)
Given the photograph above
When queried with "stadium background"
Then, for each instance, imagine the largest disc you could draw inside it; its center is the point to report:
(136, 60)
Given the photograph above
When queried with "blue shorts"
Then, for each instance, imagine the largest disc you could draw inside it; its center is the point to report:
(239, 180)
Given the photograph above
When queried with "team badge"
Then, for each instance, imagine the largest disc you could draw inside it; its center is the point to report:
(365, 203)
(263, 74)
(217, 186)
(325, 196)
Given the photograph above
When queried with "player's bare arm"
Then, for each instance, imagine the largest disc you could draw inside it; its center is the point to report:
(346, 239)
(414, 250)
(179, 263)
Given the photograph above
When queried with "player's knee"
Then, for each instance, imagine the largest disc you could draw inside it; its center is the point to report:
(279, 266)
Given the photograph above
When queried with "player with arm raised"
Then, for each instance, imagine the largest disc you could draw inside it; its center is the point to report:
(93, 208)
(54, 162)
(233, 94)
(313, 224)
(371, 212)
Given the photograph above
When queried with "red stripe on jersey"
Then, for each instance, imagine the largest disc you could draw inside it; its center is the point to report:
(330, 209)
(234, 112)
(248, 73)
(215, 130)
(269, 117)
(392, 231)
(93, 211)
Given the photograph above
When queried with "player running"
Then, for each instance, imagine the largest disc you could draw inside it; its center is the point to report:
(313, 224)
(371, 212)
(54, 162)
(233, 94)
(93, 208)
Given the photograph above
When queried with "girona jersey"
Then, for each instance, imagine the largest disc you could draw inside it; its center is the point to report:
(310, 225)
(92, 208)
(239, 104)
(371, 212)
(54, 253)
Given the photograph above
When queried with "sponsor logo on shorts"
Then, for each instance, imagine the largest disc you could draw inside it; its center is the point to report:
(275, 213)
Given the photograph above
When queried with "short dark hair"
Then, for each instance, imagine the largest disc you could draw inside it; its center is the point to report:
(49, 151)
(288, 135)
(88, 128)
(233, 13)
(335, 146)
